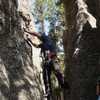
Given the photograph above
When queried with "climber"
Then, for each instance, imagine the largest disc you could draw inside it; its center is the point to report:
(47, 45)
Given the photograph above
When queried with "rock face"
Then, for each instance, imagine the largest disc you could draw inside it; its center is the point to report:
(82, 48)
(19, 61)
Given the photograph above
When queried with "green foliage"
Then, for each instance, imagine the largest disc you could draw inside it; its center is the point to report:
(62, 62)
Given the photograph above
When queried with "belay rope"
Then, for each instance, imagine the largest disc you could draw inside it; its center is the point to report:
(98, 88)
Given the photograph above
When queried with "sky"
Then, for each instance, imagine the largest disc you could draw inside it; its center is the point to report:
(33, 0)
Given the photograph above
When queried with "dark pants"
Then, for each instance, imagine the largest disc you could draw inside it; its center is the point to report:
(55, 67)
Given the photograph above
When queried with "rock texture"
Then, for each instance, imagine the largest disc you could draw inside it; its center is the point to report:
(82, 48)
(20, 77)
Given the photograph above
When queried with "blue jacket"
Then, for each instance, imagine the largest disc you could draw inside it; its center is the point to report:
(46, 43)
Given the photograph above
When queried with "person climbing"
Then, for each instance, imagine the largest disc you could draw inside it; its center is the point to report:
(54, 65)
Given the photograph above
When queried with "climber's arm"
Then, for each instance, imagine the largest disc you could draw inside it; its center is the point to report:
(33, 33)
(35, 45)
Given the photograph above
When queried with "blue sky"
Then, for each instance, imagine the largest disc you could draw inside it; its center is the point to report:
(33, 0)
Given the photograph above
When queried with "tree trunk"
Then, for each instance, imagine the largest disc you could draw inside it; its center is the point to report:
(19, 74)
(82, 48)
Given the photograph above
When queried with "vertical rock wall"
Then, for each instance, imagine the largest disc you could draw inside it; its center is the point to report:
(19, 61)
(82, 48)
